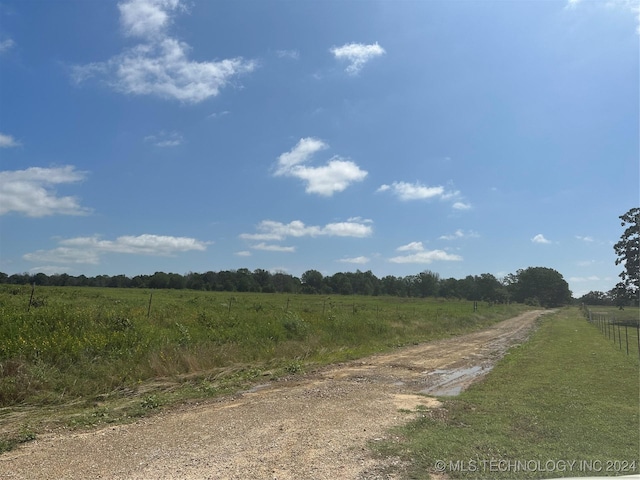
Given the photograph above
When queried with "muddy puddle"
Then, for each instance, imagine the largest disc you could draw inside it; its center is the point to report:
(450, 382)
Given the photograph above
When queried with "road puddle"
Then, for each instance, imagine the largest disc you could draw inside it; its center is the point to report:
(449, 383)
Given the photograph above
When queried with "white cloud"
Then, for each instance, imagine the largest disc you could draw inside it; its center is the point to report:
(411, 247)
(243, 253)
(146, 18)
(412, 191)
(356, 260)
(164, 139)
(326, 180)
(427, 257)
(267, 247)
(7, 141)
(90, 249)
(585, 239)
(539, 238)
(406, 192)
(160, 67)
(270, 230)
(461, 206)
(458, 234)
(29, 191)
(6, 45)
(357, 54)
(303, 151)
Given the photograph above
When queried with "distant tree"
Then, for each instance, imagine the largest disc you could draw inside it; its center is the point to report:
(596, 298)
(628, 252)
(263, 279)
(312, 281)
(540, 286)
(426, 284)
(158, 280)
(449, 288)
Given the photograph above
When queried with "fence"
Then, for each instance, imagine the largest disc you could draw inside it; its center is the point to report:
(624, 332)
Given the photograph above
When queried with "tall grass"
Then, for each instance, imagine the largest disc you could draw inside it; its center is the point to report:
(69, 343)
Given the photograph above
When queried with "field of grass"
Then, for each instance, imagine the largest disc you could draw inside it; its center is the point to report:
(566, 403)
(108, 354)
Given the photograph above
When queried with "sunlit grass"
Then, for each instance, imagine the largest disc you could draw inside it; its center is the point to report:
(101, 352)
(568, 394)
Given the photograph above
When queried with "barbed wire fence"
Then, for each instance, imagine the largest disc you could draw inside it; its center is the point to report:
(624, 332)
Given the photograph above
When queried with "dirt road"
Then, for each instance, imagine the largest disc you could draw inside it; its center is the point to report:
(314, 427)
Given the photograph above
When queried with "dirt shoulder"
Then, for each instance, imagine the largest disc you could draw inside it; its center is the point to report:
(317, 426)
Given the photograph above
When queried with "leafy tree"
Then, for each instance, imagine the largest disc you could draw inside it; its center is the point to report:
(312, 281)
(540, 286)
(628, 252)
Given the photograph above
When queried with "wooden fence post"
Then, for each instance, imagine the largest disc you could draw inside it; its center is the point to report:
(149, 307)
(33, 289)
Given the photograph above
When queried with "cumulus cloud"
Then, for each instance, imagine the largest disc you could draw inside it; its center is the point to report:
(461, 206)
(421, 255)
(7, 141)
(146, 18)
(356, 260)
(357, 54)
(539, 238)
(160, 66)
(413, 191)
(269, 230)
(427, 256)
(90, 249)
(411, 247)
(324, 180)
(30, 192)
(267, 247)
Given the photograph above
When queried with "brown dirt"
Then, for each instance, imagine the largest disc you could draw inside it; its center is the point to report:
(316, 426)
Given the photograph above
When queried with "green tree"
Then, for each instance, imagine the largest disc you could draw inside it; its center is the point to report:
(540, 286)
(628, 252)
(312, 281)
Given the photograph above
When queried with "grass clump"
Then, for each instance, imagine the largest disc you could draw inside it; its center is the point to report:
(563, 404)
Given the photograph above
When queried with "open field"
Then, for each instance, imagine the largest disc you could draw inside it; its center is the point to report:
(67, 352)
(317, 425)
(566, 395)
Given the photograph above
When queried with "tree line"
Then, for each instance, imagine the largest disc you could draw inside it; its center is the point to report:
(534, 285)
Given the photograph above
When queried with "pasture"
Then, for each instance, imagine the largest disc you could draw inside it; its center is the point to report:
(83, 348)
(563, 404)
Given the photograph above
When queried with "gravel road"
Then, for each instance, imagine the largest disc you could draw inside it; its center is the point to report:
(314, 427)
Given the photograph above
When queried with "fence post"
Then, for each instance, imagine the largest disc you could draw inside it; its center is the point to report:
(626, 336)
(149, 307)
(619, 338)
(33, 289)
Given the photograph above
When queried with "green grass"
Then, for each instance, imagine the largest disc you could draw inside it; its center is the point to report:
(567, 394)
(95, 356)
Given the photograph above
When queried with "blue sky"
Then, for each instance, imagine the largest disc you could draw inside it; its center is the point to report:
(393, 136)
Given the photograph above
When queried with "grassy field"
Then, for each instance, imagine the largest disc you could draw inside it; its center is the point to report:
(566, 403)
(87, 356)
